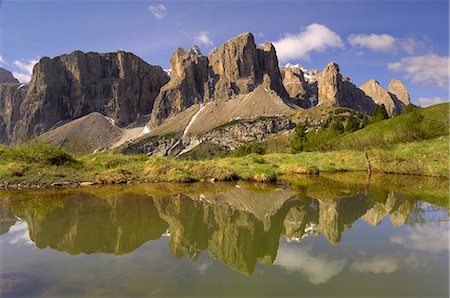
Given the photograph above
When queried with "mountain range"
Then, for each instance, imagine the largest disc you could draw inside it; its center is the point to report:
(236, 93)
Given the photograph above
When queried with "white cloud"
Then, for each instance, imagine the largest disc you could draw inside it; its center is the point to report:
(159, 11)
(25, 69)
(317, 269)
(315, 37)
(426, 102)
(377, 265)
(22, 77)
(2, 61)
(429, 69)
(203, 39)
(410, 45)
(432, 238)
(389, 44)
(374, 42)
(18, 234)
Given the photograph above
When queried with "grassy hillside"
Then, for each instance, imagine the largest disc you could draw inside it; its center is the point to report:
(422, 124)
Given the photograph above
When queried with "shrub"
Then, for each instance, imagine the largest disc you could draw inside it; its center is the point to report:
(380, 113)
(352, 124)
(411, 129)
(299, 141)
(337, 127)
(246, 149)
(409, 108)
(39, 152)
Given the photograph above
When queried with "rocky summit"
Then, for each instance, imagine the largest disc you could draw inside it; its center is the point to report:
(237, 84)
(235, 68)
(119, 85)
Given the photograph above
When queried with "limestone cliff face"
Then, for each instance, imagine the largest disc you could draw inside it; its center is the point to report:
(268, 62)
(330, 85)
(296, 86)
(11, 97)
(7, 77)
(228, 136)
(237, 67)
(355, 98)
(399, 92)
(337, 90)
(119, 85)
(188, 85)
(380, 96)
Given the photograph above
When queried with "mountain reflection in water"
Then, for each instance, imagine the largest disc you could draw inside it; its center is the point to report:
(238, 224)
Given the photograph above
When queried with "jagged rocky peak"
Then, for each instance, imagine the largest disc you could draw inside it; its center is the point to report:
(237, 67)
(329, 85)
(295, 84)
(380, 96)
(268, 62)
(398, 90)
(190, 83)
(119, 85)
(235, 63)
(7, 77)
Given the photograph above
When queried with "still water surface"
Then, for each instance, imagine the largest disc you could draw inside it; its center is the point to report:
(325, 236)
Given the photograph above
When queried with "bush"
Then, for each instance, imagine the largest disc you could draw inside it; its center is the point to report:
(411, 129)
(352, 124)
(299, 141)
(38, 152)
(337, 127)
(246, 149)
(380, 113)
(409, 108)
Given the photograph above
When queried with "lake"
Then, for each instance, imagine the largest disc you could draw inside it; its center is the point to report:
(331, 235)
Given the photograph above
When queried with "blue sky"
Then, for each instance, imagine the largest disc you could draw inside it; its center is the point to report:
(369, 39)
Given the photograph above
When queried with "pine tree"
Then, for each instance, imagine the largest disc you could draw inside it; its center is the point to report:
(352, 124)
(337, 127)
(300, 140)
(409, 108)
(380, 113)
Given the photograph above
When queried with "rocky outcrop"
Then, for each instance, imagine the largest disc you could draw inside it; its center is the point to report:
(235, 134)
(296, 86)
(11, 97)
(399, 93)
(380, 96)
(268, 62)
(189, 84)
(330, 85)
(237, 67)
(399, 90)
(7, 77)
(355, 98)
(337, 90)
(119, 85)
(229, 136)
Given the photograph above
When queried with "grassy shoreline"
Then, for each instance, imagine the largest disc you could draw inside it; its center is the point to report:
(18, 170)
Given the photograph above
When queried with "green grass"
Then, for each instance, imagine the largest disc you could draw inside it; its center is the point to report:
(427, 158)
(397, 145)
(401, 129)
